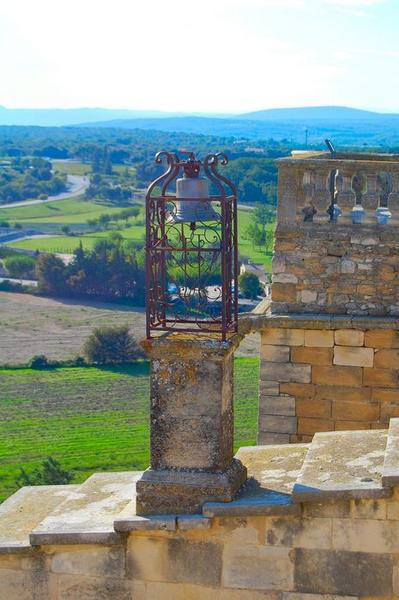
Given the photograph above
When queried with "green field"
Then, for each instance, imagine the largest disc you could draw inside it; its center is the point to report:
(92, 419)
(71, 167)
(78, 168)
(76, 212)
(70, 211)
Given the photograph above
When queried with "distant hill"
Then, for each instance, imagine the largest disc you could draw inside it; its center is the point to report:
(346, 126)
(365, 128)
(331, 113)
(58, 117)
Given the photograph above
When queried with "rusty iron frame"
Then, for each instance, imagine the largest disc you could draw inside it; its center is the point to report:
(160, 248)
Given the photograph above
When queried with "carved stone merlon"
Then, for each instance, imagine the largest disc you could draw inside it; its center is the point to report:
(191, 425)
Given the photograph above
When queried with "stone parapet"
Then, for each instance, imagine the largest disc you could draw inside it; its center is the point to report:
(336, 243)
(332, 268)
(315, 521)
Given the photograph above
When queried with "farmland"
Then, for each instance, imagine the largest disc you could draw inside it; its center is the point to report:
(32, 325)
(92, 419)
(52, 216)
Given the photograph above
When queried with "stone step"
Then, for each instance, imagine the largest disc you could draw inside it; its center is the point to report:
(88, 514)
(390, 469)
(272, 472)
(24, 510)
(343, 464)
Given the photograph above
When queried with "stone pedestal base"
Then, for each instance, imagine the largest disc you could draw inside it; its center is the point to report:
(172, 491)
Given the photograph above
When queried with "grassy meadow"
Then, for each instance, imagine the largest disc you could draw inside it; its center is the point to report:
(75, 212)
(92, 419)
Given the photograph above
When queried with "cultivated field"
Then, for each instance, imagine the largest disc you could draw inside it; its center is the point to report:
(92, 419)
(32, 325)
(57, 328)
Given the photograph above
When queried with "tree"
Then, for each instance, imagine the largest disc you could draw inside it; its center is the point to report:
(50, 273)
(19, 266)
(255, 234)
(111, 345)
(50, 473)
(65, 229)
(249, 285)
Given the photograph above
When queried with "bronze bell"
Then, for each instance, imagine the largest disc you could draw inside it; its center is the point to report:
(199, 209)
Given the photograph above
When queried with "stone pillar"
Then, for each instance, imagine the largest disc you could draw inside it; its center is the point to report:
(191, 425)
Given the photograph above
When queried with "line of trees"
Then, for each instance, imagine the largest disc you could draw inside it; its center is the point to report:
(110, 271)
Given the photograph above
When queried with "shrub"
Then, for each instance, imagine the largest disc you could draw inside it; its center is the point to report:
(249, 285)
(12, 286)
(19, 265)
(111, 345)
(50, 473)
(39, 361)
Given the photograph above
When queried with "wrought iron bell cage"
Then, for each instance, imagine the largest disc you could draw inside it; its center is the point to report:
(191, 247)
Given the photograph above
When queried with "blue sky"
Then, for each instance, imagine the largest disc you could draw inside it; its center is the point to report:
(211, 55)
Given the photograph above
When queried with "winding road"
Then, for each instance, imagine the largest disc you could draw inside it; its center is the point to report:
(77, 185)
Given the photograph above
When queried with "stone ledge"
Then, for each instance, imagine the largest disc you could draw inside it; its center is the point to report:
(390, 469)
(24, 510)
(343, 465)
(253, 504)
(249, 323)
(87, 515)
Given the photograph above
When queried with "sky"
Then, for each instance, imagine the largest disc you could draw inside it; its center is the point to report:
(226, 56)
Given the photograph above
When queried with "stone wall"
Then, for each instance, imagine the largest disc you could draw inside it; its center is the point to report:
(341, 549)
(326, 374)
(332, 268)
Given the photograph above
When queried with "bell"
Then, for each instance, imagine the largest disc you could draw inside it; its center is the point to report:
(192, 211)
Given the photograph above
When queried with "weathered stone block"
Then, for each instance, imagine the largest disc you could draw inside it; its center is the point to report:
(184, 591)
(308, 296)
(355, 357)
(318, 338)
(310, 426)
(387, 359)
(257, 567)
(312, 356)
(270, 388)
(366, 535)
(348, 337)
(381, 377)
(73, 587)
(283, 337)
(284, 292)
(279, 354)
(27, 585)
(285, 278)
(381, 338)
(286, 372)
(355, 411)
(172, 491)
(342, 393)
(277, 405)
(267, 438)
(90, 560)
(277, 424)
(363, 508)
(299, 532)
(337, 375)
(299, 390)
(343, 573)
(313, 408)
(352, 425)
(174, 559)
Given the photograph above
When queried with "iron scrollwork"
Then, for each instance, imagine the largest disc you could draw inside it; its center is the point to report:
(191, 263)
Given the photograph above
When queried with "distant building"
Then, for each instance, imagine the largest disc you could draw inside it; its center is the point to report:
(257, 269)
